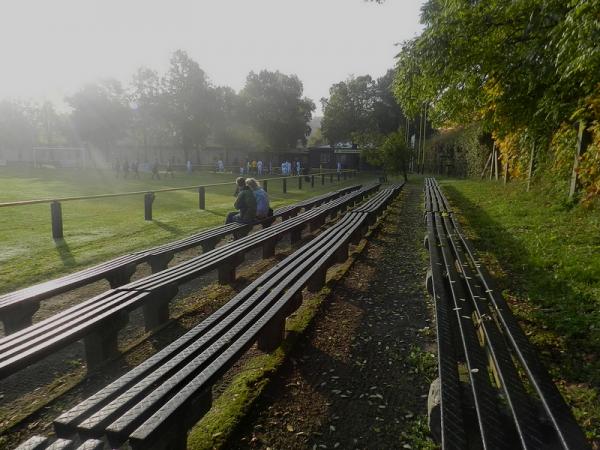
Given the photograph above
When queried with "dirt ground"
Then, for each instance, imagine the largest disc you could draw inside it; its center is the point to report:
(359, 378)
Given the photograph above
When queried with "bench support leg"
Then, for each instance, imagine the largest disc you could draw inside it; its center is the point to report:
(121, 276)
(208, 245)
(156, 309)
(227, 272)
(296, 235)
(268, 250)
(316, 224)
(19, 316)
(173, 435)
(317, 281)
(102, 344)
(272, 334)
(160, 262)
(341, 254)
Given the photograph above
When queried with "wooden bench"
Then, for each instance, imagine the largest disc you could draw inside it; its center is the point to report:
(44, 443)
(492, 391)
(98, 320)
(17, 308)
(154, 405)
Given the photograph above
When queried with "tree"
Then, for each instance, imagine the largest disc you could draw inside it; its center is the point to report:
(361, 106)
(188, 105)
(349, 109)
(273, 104)
(17, 132)
(391, 152)
(149, 119)
(100, 113)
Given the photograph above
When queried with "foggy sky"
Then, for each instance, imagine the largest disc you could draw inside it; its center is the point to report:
(49, 49)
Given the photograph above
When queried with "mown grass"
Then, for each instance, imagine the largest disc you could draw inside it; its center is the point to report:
(97, 230)
(545, 254)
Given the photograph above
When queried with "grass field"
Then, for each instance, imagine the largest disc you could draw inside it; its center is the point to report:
(99, 229)
(546, 255)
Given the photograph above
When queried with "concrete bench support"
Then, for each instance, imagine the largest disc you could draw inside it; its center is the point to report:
(102, 344)
(19, 316)
(156, 309)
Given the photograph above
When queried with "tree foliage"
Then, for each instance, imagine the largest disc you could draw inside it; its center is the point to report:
(274, 105)
(526, 67)
(360, 106)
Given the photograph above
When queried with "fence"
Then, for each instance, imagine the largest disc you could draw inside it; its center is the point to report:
(149, 196)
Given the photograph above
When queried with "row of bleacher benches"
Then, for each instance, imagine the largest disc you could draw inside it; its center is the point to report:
(17, 308)
(98, 320)
(492, 391)
(154, 405)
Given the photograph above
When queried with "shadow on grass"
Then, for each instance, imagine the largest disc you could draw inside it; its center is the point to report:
(217, 213)
(170, 228)
(64, 252)
(553, 309)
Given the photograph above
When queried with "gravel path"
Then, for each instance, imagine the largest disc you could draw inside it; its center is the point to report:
(359, 377)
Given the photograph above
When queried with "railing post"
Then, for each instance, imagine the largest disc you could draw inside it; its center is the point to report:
(312, 181)
(201, 197)
(148, 199)
(331, 177)
(338, 176)
(345, 175)
(299, 181)
(266, 185)
(322, 179)
(57, 223)
(285, 185)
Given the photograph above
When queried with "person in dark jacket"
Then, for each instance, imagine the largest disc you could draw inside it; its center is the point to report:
(245, 202)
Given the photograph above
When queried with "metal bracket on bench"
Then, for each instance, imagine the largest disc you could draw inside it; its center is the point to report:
(102, 343)
(19, 316)
(160, 262)
(156, 308)
(121, 276)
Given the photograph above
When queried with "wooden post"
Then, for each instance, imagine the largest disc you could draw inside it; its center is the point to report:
(201, 197)
(424, 138)
(312, 181)
(285, 185)
(331, 177)
(530, 171)
(322, 179)
(489, 160)
(266, 185)
(496, 162)
(300, 182)
(57, 222)
(583, 140)
(148, 199)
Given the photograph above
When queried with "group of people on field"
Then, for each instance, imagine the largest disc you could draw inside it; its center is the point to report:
(251, 202)
(253, 167)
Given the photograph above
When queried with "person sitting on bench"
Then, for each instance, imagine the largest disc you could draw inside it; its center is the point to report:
(244, 202)
(263, 209)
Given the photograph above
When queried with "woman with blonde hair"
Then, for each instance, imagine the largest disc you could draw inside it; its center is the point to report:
(263, 209)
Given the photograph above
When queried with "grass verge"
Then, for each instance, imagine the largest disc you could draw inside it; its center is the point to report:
(545, 254)
(100, 229)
